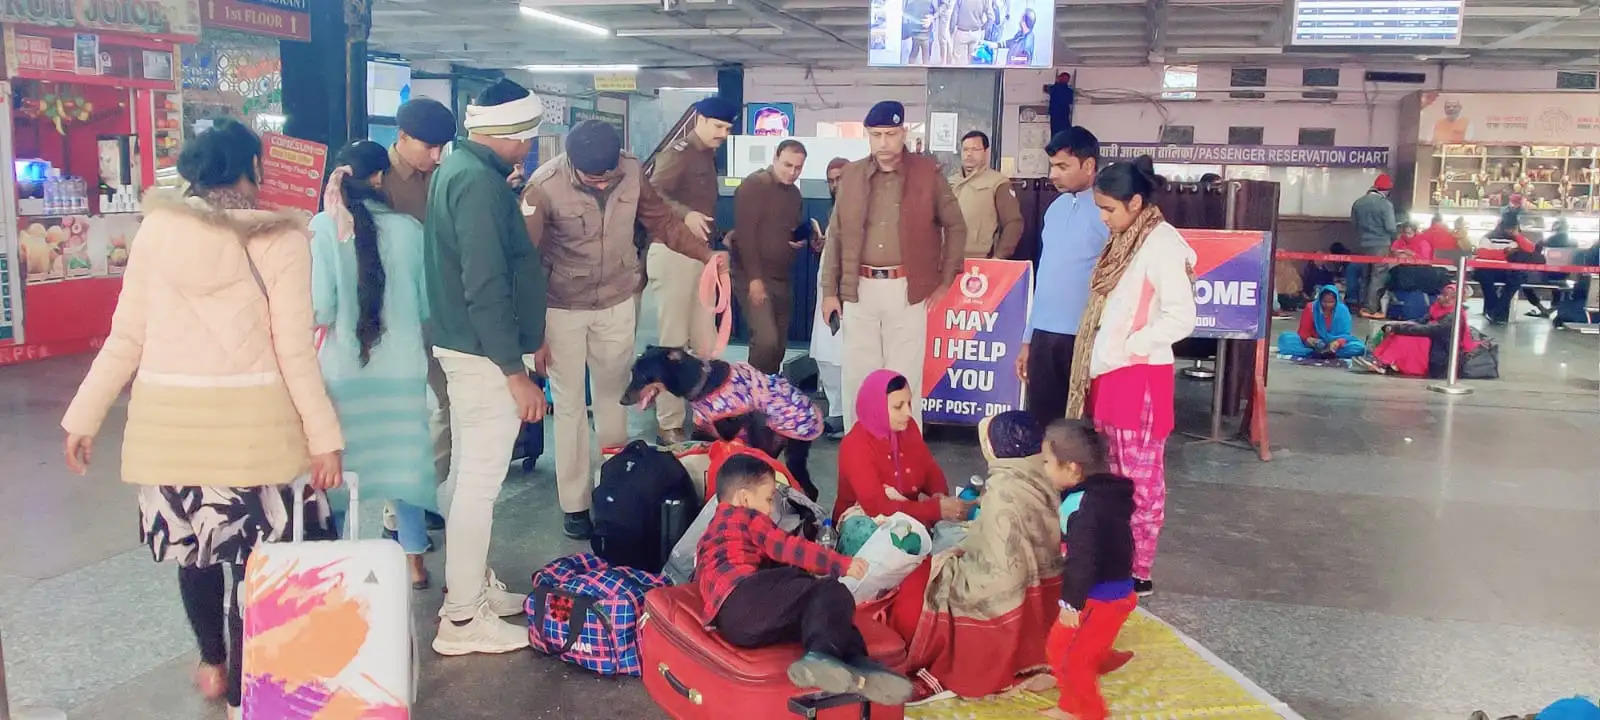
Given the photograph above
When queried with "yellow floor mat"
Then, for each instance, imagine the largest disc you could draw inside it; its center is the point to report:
(1170, 678)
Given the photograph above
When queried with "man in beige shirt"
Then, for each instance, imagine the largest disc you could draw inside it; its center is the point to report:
(988, 202)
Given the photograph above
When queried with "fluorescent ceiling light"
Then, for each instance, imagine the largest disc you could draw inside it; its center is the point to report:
(573, 23)
(1229, 51)
(579, 68)
(700, 32)
(707, 88)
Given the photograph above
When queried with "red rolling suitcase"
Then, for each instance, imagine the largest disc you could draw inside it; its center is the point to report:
(693, 674)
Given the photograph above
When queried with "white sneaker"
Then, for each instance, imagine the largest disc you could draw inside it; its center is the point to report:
(485, 633)
(501, 601)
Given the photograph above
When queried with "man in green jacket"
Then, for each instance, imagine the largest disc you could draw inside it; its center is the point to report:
(486, 298)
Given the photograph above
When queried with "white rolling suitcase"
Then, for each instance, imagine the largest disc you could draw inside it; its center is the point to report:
(327, 626)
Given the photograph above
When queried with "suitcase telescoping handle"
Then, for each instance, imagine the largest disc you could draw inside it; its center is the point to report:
(352, 514)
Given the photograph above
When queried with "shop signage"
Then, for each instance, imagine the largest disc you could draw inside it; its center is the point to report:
(1552, 118)
(32, 52)
(291, 172)
(615, 82)
(1230, 282)
(577, 115)
(1280, 155)
(974, 333)
(277, 19)
(176, 19)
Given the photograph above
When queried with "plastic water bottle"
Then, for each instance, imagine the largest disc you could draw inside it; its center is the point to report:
(828, 538)
(974, 488)
(972, 492)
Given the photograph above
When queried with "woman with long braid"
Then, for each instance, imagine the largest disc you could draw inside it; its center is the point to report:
(366, 290)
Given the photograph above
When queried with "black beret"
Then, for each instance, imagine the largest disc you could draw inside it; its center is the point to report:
(717, 107)
(886, 114)
(427, 120)
(594, 147)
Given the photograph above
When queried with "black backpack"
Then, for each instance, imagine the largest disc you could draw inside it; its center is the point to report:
(643, 504)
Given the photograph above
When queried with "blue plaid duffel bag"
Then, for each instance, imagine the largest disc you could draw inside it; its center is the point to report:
(586, 612)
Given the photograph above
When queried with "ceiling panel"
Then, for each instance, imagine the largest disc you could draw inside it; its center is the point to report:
(494, 33)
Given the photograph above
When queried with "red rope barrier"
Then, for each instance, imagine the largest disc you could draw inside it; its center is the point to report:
(1472, 263)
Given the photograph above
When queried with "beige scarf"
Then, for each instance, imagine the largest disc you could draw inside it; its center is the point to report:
(1108, 270)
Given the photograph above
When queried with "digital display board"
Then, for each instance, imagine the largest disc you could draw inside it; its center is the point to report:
(1377, 22)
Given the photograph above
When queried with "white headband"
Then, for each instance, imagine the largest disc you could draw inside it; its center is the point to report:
(515, 120)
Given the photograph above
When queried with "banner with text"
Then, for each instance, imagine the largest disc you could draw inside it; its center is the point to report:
(1277, 155)
(1230, 282)
(291, 173)
(176, 20)
(974, 333)
(1510, 118)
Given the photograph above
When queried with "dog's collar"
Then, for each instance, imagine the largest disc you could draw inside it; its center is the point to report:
(705, 375)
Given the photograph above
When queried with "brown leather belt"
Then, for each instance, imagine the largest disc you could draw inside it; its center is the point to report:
(883, 273)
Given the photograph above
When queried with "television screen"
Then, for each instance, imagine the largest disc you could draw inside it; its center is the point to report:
(1377, 22)
(961, 33)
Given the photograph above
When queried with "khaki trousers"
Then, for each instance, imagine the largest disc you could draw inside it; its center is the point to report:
(602, 342)
(882, 330)
(681, 319)
(966, 43)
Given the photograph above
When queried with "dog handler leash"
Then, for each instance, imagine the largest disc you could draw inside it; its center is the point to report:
(716, 295)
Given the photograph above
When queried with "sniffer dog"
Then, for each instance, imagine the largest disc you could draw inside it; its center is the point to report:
(732, 400)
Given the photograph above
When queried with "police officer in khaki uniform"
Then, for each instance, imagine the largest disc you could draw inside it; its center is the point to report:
(686, 177)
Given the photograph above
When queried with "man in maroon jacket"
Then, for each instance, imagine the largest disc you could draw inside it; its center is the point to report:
(896, 239)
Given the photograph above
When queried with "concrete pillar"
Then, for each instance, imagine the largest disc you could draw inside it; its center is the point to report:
(974, 97)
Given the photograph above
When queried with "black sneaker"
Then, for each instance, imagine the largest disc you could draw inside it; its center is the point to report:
(1143, 588)
(577, 525)
(833, 428)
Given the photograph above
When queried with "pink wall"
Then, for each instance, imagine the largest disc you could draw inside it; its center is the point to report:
(1122, 104)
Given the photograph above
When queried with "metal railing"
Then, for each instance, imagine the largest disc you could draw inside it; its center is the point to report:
(1450, 387)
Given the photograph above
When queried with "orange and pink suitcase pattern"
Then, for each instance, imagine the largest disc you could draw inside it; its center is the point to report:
(327, 628)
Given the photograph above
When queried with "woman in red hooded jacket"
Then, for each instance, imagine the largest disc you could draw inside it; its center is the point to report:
(884, 466)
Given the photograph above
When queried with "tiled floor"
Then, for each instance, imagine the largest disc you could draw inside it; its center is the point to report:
(1404, 556)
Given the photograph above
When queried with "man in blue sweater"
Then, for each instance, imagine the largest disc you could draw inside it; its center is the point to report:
(1071, 241)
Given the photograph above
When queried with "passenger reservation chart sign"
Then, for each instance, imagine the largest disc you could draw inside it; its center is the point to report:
(1230, 282)
(974, 334)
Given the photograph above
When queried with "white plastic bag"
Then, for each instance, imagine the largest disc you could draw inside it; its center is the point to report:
(887, 565)
(947, 535)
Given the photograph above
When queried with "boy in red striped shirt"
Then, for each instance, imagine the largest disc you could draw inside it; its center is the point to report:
(762, 588)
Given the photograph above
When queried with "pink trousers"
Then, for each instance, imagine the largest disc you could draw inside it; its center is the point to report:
(1140, 456)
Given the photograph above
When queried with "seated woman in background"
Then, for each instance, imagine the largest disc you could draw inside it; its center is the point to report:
(977, 616)
(884, 466)
(1504, 243)
(1325, 330)
(1324, 272)
(1419, 349)
(1573, 305)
